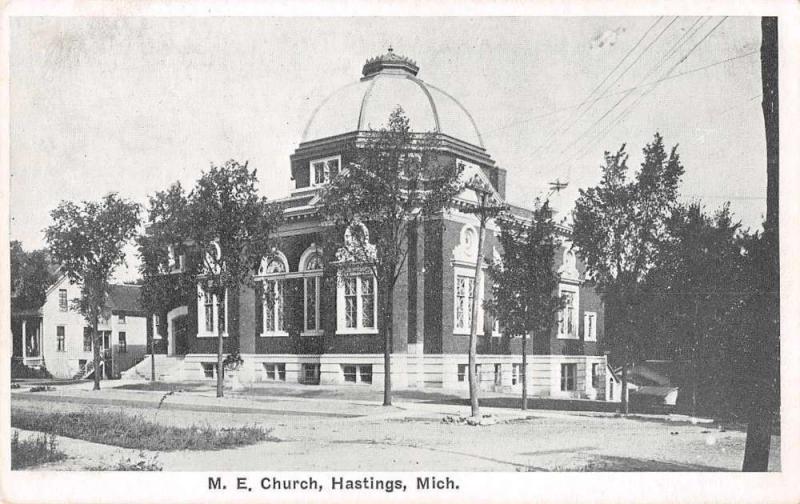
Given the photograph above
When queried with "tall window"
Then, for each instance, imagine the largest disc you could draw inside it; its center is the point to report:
(60, 336)
(87, 340)
(464, 289)
(590, 326)
(568, 315)
(357, 304)
(323, 170)
(62, 299)
(595, 375)
(212, 314)
(569, 376)
(123, 342)
(273, 305)
(312, 267)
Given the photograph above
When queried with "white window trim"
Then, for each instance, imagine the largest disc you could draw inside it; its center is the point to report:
(562, 288)
(201, 312)
(459, 271)
(316, 276)
(279, 278)
(592, 335)
(340, 306)
(326, 177)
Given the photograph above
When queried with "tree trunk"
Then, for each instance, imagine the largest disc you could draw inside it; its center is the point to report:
(387, 346)
(95, 351)
(152, 354)
(220, 367)
(759, 427)
(524, 372)
(473, 331)
(625, 408)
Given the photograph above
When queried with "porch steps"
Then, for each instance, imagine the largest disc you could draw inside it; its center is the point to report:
(166, 367)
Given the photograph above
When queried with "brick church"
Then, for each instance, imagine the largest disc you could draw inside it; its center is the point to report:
(314, 331)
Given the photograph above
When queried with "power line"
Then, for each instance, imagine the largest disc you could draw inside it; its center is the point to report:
(621, 116)
(623, 91)
(611, 86)
(630, 51)
(682, 40)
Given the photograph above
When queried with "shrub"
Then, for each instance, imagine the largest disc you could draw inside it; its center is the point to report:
(31, 452)
(127, 431)
(127, 464)
(20, 370)
(42, 388)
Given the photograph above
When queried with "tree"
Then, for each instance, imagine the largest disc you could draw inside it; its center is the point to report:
(525, 281)
(31, 275)
(618, 228)
(88, 241)
(766, 364)
(392, 183)
(232, 228)
(167, 230)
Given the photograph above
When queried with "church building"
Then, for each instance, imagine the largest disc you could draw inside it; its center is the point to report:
(315, 331)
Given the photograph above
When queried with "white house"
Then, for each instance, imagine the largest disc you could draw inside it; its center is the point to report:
(65, 338)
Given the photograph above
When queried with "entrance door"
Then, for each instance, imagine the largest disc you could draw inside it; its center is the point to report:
(180, 331)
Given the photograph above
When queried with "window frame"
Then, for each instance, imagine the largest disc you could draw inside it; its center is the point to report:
(87, 336)
(462, 272)
(63, 300)
(312, 169)
(312, 279)
(341, 316)
(121, 319)
(590, 335)
(569, 379)
(560, 325)
(61, 338)
(122, 341)
(215, 304)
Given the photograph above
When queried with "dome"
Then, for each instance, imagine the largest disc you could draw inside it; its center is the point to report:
(391, 80)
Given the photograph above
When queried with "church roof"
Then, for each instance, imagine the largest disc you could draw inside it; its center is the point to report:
(388, 81)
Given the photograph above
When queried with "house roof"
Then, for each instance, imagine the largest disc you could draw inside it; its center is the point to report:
(124, 298)
(660, 373)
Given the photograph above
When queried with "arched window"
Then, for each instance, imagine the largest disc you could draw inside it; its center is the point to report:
(274, 269)
(311, 266)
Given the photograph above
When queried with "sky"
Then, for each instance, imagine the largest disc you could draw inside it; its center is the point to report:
(134, 104)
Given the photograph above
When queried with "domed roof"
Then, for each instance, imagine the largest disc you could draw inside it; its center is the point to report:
(391, 80)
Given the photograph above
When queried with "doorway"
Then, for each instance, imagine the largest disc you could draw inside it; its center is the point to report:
(180, 333)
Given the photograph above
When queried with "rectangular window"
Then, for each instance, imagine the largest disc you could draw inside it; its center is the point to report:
(516, 372)
(464, 288)
(62, 299)
(310, 373)
(350, 302)
(590, 326)
(595, 375)
(123, 342)
(365, 373)
(208, 306)
(273, 307)
(568, 315)
(106, 337)
(121, 318)
(312, 303)
(356, 304)
(569, 375)
(211, 314)
(87, 340)
(462, 372)
(367, 301)
(611, 389)
(275, 372)
(498, 375)
(60, 336)
(349, 373)
(324, 170)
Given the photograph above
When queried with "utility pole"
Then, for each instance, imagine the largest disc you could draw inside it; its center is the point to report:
(486, 209)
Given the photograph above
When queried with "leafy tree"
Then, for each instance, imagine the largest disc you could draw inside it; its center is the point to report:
(88, 241)
(524, 280)
(393, 182)
(694, 292)
(31, 275)
(618, 228)
(164, 285)
(232, 227)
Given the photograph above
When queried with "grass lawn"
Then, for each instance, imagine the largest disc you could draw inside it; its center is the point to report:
(32, 452)
(127, 431)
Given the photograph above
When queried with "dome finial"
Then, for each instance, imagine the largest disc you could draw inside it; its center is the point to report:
(390, 62)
